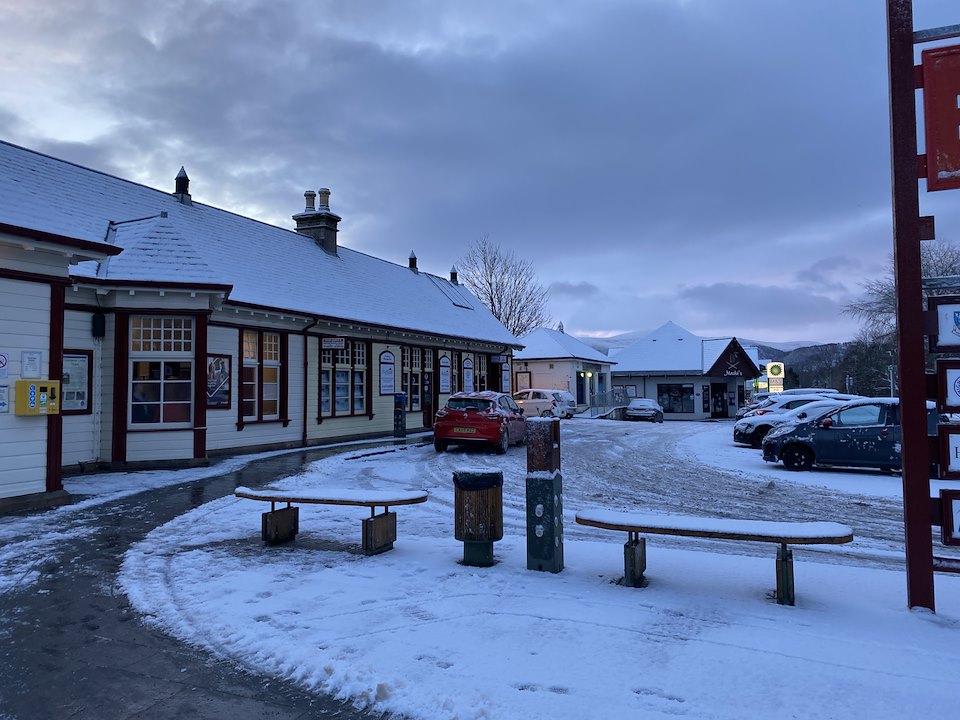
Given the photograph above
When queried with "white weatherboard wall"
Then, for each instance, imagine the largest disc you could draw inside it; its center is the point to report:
(80, 441)
(24, 325)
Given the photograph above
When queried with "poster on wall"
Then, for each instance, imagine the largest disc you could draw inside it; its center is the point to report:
(387, 386)
(468, 375)
(218, 381)
(74, 389)
(31, 362)
(444, 375)
(505, 378)
(4, 398)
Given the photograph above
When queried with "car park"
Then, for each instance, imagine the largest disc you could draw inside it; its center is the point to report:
(859, 433)
(752, 430)
(644, 409)
(484, 417)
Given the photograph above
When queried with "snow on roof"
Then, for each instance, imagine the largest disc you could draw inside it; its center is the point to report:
(544, 343)
(671, 348)
(266, 265)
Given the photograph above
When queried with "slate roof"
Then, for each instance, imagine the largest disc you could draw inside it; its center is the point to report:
(265, 265)
(675, 350)
(544, 344)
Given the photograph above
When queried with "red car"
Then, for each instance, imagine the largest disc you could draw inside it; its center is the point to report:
(480, 417)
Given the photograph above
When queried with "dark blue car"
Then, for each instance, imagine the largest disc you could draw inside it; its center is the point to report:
(861, 433)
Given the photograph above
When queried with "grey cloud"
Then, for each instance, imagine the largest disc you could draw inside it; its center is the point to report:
(575, 290)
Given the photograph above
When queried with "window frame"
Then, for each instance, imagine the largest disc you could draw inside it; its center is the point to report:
(164, 340)
(353, 360)
(269, 360)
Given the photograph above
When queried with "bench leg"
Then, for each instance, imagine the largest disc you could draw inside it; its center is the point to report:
(785, 590)
(280, 526)
(379, 533)
(634, 561)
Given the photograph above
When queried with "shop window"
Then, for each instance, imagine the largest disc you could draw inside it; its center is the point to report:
(675, 398)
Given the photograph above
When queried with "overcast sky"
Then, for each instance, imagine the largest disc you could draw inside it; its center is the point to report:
(723, 164)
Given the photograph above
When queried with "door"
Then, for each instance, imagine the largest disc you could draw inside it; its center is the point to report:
(859, 436)
(718, 400)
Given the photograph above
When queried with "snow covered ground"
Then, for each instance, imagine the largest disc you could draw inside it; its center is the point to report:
(416, 633)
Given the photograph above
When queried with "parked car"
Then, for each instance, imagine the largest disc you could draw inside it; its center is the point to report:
(781, 402)
(546, 403)
(758, 398)
(536, 401)
(479, 417)
(644, 409)
(752, 430)
(859, 433)
(566, 402)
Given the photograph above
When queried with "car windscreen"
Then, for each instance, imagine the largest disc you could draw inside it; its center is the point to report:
(468, 404)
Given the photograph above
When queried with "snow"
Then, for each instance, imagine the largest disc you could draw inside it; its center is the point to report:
(797, 531)
(338, 496)
(415, 632)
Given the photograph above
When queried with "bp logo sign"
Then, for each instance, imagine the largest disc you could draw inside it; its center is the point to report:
(775, 369)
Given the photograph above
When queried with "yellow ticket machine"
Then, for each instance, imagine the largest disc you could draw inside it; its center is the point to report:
(37, 397)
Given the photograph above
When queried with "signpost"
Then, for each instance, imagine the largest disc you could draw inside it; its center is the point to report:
(940, 71)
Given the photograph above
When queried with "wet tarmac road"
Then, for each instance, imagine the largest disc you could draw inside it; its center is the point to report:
(71, 646)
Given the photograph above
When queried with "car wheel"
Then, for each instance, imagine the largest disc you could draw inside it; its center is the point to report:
(546, 413)
(504, 442)
(659, 417)
(756, 440)
(797, 457)
(439, 445)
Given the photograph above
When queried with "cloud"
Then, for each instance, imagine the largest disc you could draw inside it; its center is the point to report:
(626, 149)
(576, 290)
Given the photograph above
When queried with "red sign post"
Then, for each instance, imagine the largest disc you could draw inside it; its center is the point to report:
(941, 114)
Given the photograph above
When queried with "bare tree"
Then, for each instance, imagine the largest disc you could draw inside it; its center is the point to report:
(877, 307)
(506, 285)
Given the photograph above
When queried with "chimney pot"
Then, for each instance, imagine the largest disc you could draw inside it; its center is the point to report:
(319, 223)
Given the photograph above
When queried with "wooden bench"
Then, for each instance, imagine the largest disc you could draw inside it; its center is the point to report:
(378, 532)
(782, 533)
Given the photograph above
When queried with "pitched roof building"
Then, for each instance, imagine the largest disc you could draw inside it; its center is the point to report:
(692, 377)
(184, 330)
(551, 359)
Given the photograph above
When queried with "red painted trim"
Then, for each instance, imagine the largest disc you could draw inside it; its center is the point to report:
(54, 478)
(71, 242)
(200, 387)
(369, 379)
(34, 277)
(121, 377)
(89, 355)
(240, 379)
(284, 408)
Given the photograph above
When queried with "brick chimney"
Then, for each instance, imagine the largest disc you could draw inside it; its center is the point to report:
(318, 222)
(182, 187)
(412, 261)
(453, 275)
